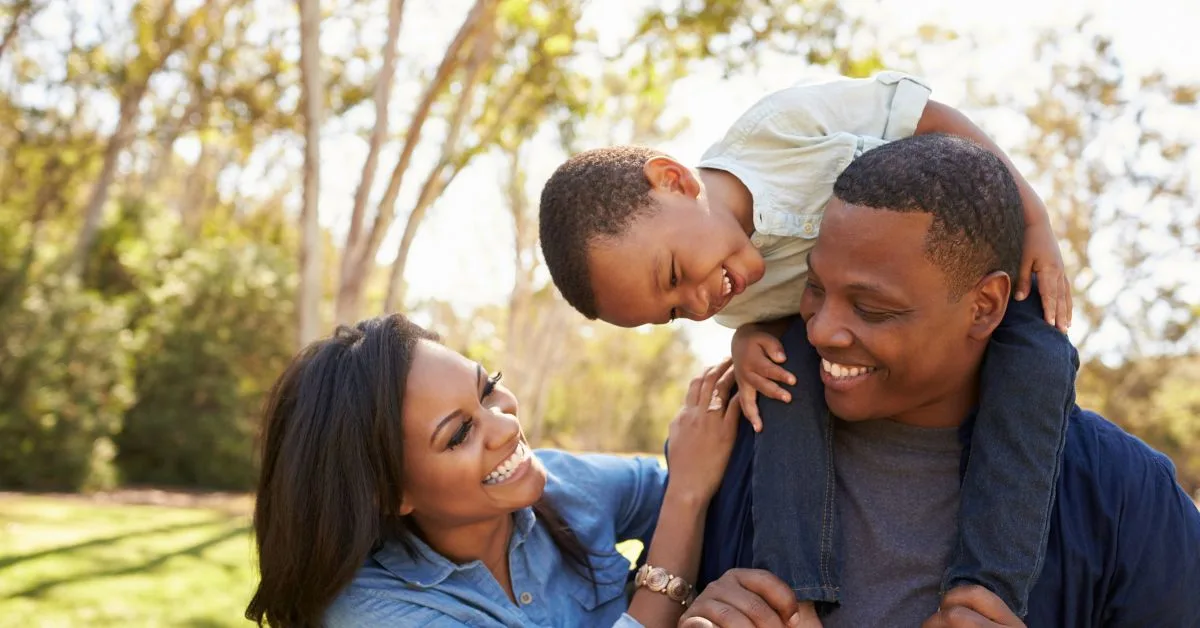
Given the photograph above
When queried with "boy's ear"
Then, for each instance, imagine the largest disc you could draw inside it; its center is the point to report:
(989, 303)
(667, 175)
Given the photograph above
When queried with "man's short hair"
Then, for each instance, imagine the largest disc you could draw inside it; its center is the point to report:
(978, 225)
(595, 194)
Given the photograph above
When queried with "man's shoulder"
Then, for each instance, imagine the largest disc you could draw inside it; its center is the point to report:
(1099, 447)
(1105, 468)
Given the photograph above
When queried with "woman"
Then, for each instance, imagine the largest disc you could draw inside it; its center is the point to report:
(397, 490)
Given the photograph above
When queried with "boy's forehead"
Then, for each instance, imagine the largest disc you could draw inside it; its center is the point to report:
(622, 277)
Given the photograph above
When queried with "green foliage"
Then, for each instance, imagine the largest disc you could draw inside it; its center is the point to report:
(218, 330)
(66, 375)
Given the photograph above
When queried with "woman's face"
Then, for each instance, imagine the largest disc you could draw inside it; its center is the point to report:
(465, 457)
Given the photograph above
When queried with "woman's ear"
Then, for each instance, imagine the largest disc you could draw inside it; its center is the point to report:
(989, 304)
(405, 505)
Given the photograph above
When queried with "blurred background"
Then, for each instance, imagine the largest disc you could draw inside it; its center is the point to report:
(191, 189)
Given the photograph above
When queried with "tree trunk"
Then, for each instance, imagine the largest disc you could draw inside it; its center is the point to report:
(361, 263)
(94, 210)
(354, 269)
(309, 296)
(22, 12)
(436, 182)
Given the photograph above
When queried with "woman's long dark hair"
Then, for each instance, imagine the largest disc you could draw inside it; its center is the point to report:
(332, 472)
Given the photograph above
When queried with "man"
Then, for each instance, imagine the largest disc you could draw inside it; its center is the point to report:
(911, 274)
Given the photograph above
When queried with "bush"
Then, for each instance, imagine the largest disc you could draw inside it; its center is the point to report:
(65, 380)
(217, 333)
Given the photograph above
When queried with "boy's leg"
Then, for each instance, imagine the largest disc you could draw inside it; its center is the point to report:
(1027, 390)
(793, 480)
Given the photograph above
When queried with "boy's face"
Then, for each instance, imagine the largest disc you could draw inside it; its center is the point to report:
(682, 261)
(893, 344)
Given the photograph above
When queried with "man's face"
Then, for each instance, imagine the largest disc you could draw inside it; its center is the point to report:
(683, 261)
(879, 313)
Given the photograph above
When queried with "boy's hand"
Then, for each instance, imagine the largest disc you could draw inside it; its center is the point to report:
(1041, 256)
(756, 358)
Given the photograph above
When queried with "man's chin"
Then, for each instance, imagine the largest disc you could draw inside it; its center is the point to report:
(848, 409)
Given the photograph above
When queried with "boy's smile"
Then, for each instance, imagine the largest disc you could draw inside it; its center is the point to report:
(688, 257)
(681, 262)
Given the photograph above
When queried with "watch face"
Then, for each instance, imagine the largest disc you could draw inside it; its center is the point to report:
(657, 579)
(678, 589)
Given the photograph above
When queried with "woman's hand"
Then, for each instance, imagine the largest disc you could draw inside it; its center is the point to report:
(702, 434)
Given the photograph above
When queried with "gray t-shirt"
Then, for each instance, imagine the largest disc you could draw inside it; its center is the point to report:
(897, 505)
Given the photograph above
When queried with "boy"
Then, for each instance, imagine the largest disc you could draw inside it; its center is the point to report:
(633, 237)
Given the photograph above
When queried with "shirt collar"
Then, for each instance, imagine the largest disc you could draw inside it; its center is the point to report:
(423, 567)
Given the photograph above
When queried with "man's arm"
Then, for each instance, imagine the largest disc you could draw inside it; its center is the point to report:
(1156, 581)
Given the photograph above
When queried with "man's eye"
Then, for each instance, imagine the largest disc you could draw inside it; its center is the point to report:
(814, 287)
(872, 316)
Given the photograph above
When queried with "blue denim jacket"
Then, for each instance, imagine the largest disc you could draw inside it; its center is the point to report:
(605, 500)
(1124, 543)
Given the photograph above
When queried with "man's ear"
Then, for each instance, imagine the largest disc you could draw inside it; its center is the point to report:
(667, 175)
(989, 303)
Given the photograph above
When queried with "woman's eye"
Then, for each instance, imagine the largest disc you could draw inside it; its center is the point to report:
(460, 435)
(490, 386)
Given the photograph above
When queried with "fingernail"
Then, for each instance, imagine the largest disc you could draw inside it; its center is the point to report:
(794, 620)
(792, 381)
(780, 357)
(1020, 295)
(787, 398)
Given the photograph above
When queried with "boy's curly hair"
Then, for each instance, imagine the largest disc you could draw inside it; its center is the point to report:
(595, 194)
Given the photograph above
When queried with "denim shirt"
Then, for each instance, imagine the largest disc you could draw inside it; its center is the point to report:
(1124, 542)
(605, 500)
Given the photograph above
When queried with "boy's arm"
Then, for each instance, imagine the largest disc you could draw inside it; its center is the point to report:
(1040, 253)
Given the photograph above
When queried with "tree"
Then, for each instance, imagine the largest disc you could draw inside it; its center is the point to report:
(309, 294)
(157, 38)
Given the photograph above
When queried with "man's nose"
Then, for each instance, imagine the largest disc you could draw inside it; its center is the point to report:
(827, 329)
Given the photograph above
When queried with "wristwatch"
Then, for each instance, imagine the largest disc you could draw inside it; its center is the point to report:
(660, 580)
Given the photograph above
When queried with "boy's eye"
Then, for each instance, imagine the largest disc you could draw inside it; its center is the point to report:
(674, 275)
(672, 315)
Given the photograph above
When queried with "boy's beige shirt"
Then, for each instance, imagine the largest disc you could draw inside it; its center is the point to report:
(788, 150)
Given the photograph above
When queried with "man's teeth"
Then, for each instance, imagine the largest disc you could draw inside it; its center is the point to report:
(843, 371)
(510, 464)
(726, 283)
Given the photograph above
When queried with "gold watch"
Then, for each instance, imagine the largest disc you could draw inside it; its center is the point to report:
(660, 580)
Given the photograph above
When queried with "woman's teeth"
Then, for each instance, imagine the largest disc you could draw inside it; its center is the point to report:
(726, 283)
(843, 371)
(510, 464)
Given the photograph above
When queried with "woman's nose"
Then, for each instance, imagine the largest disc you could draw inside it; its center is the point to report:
(502, 427)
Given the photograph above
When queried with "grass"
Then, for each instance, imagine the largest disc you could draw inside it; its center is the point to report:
(74, 561)
(71, 561)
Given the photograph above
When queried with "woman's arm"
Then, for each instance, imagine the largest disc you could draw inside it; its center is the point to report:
(701, 438)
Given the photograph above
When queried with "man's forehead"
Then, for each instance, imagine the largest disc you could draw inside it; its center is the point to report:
(873, 245)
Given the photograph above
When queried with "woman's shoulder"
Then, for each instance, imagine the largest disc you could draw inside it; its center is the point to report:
(375, 598)
(594, 475)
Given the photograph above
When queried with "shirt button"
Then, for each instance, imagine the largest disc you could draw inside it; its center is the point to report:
(808, 228)
(756, 240)
(526, 598)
